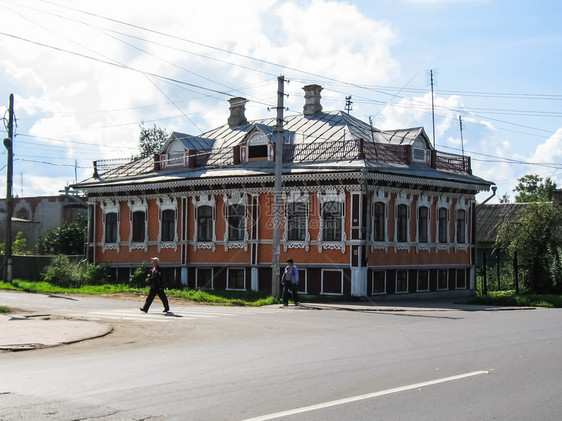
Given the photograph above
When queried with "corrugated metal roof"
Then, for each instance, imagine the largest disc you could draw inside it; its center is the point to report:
(489, 218)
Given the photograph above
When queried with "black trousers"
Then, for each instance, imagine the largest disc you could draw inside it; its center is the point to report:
(153, 293)
(289, 286)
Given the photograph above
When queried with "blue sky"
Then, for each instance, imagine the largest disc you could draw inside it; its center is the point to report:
(86, 74)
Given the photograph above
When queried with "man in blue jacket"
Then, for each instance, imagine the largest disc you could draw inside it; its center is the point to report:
(290, 280)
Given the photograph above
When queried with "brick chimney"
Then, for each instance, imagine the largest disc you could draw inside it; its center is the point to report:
(312, 99)
(237, 108)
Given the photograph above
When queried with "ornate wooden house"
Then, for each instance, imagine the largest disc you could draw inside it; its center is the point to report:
(364, 211)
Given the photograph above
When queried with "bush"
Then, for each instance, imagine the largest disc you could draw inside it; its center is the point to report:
(95, 275)
(64, 273)
(138, 277)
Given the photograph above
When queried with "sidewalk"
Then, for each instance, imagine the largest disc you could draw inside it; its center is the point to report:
(27, 331)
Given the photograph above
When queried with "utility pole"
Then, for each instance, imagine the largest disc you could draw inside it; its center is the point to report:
(8, 143)
(432, 107)
(275, 287)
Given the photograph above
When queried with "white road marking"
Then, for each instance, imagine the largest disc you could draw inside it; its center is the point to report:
(363, 397)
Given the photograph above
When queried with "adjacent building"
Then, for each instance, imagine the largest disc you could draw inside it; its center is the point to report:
(364, 211)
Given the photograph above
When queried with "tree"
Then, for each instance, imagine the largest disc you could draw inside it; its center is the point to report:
(504, 198)
(68, 238)
(531, 188)
(151, 140)
(19, 245)
(536, 236)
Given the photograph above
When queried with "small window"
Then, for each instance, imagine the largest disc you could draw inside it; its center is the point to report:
(111, 227)
(236, 279)
(168, 225)
(461, 279)
(402, 224)
(461, 226)
(204, 278)
(139, 224)
(380, 221)
(442, 279)
(423, 280)
(236, 215)
(401, 281)
(297, 213)
(204, 223)
(418, 151)
(332, 282)
(257, 151)
(423, 213)
(443, 221)
(379, 282)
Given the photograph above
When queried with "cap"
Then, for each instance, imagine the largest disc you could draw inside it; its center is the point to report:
(155, 258)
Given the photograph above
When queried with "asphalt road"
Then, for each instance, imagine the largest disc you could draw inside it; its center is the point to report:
(230, 363)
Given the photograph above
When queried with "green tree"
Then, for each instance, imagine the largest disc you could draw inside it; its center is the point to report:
(19, 245)
(68, 239)
(531, 188)
(536, 236)
(151, 140)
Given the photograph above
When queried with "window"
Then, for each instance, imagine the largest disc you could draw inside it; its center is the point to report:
(379, 282)
(332, 221)
(401, 281)
(204, 278)
(236, 215)
(423, 280)
(380, 221)
(139, 226)
(461, 226)
(257, 151)
(423, 213)
(461, 278)
(236, 279)
(168, 225)
(442, 279)
(111, 227)
(332, 282)
(418, 151)
(443, 225)
(204, 223)
(297, 215)
(402, 224)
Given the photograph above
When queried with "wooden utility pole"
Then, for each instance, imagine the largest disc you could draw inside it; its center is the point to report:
(275, 286)
(8, 143)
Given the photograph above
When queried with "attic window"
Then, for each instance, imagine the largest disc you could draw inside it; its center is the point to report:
(257, 151)
(418, 151)
(176, 153)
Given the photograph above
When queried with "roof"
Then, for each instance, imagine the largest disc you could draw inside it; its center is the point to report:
(489, 218)
(333, 141)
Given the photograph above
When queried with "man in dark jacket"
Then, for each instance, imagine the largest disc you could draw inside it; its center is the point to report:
(156, 283)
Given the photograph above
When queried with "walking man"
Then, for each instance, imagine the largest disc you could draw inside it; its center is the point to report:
(154, 279)
(290, 280)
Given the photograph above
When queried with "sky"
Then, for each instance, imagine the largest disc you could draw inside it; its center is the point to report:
(85, 75)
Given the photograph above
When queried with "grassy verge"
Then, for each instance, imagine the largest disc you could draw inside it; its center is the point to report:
(236, 298)
(510, 298)
(4, 309)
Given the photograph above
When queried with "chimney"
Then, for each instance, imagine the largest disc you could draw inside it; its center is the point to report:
(312, 99)
(237, 108)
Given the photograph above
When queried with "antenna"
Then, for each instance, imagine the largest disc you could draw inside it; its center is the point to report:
(348, 103)
(432, 105)
(462, 141)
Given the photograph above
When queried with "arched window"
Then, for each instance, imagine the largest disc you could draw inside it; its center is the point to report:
(423, 217)
(402, 224)
(461, 226)
(204, 223)
(332, 216)
(380, 221)
(443, 222)
(236, 217)
(168, 225)
(139, 226)
(111, 227)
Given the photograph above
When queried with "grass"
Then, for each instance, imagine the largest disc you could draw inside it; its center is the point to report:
(4, 309)
(235, 298)
(510, 298)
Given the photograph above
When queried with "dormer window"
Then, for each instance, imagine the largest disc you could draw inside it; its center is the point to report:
(418, 151)
(176, 154)
(257, 151)
(257, 148)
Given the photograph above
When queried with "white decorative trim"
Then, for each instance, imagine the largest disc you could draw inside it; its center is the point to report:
(138, 205)
(204, 200)
(296, 196)
(236, 199)
(110, 207)
(331, 196)
(402, 199)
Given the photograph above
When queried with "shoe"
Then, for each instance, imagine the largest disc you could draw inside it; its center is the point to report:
(165, 310)
(143, 310)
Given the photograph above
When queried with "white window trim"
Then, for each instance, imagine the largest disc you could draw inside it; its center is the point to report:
(110, 207)
(235, 199)
(163, 205)
(138, 205)
(204, 200)
(331, 196)
(322, 282)
(303, 282)
(461, 205)
(228, 279)
(296, 197)
(396, 281)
